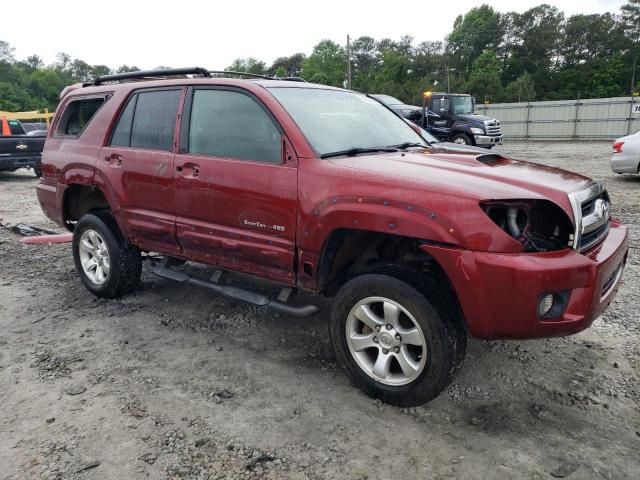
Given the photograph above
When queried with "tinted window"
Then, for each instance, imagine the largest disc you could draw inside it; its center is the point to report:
(77, 115)
(16, 128)
(122, 133)
(231, 124)
(154, 120)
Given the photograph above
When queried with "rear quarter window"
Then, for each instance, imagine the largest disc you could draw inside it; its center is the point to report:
(77, 116)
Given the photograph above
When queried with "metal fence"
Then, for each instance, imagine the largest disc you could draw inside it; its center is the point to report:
(593, 119)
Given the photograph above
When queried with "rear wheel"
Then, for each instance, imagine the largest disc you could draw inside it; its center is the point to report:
(395, 342)
(108, 265)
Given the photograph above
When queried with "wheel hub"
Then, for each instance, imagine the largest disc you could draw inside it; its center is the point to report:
(388, 340)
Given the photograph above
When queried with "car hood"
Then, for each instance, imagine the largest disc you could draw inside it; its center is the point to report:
(467, 172)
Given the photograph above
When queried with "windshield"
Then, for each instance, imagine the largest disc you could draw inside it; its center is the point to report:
(337, 120)
(462, 105)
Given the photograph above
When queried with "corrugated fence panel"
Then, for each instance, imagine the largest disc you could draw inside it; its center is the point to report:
(596, 118)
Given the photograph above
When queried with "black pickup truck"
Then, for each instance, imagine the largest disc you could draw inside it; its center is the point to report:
(19, 149)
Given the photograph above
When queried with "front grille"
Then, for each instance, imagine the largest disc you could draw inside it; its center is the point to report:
(592, 216)
(493, 129)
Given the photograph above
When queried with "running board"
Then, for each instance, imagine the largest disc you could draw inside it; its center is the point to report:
(234, 292)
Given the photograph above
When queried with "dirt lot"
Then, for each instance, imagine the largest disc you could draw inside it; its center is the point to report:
(175, 382)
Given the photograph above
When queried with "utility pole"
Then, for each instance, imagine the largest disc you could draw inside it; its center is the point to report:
(348, 62)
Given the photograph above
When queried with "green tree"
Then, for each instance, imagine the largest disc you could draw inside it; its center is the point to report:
(292, 65)
(478, 30)
(484, 78)
(521, 89)
(7, 52)
(327, 64)
(631, 19)
(248, 65)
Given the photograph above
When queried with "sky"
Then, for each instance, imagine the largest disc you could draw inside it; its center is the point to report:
(211, 34)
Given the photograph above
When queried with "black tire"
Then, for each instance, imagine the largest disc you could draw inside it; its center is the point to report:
(460, 138)
(125, 260)
(437, 315)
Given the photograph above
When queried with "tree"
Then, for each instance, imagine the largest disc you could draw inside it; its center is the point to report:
(473, 33)
(521, 89)
(631, 19)
(248, 65)
(484, 79)
(326, 64)
(6, 52)
(292, 65)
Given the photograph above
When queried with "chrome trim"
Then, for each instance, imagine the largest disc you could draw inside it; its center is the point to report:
(590, 222)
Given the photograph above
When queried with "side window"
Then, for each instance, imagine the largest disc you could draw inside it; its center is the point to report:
(148, 121)
(155, 119)
(230, 124)
(77, 115)
(122, 134)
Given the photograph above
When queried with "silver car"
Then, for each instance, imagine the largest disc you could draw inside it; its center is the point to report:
(626, 154)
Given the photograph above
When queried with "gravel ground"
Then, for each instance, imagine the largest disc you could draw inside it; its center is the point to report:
(176, 382)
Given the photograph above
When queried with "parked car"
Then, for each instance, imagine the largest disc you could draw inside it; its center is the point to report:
(328, 191)
(626, 154)
(19, 149)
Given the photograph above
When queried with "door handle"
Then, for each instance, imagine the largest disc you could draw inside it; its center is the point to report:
(114, 157)
(195, 169)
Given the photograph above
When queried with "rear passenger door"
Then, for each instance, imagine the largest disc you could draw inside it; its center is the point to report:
(236, 190)
(139, 163)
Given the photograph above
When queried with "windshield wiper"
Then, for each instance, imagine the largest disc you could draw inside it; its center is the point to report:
(352, 152)
(405, 145)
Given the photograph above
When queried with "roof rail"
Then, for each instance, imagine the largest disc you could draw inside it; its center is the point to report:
(203, 72)
(168, 72)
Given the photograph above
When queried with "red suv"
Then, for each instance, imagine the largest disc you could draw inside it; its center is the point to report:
(328, 191)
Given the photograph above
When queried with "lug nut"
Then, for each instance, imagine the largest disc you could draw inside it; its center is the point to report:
(397, 349)
(385, 351)
(389, 327)
(377, 328)
(398, 337)
(375, 339)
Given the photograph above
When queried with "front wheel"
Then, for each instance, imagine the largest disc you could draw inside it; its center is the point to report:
(396, 343)
(108, 265)
(461, 139)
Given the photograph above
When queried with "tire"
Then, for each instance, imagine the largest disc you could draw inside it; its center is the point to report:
(461, 138)
(123, 265)
(436, 319)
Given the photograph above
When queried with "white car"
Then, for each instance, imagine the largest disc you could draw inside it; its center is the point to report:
(626, 154)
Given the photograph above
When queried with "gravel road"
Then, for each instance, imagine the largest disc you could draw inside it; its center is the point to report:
(178, 383)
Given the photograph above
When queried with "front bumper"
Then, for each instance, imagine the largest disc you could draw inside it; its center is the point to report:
(487, 140)
(499, 293)
(625, 163)
(13, 162)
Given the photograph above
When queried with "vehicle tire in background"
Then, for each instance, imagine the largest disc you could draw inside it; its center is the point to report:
(461, 139)
(108, 265)
(397, 341)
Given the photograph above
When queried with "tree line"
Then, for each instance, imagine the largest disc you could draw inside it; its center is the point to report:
(539, 54)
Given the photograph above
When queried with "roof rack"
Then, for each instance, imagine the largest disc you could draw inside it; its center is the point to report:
(168, 72)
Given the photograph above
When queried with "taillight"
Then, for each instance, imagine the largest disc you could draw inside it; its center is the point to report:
(617, 147)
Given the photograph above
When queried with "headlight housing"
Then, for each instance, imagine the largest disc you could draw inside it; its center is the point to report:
(477, 131)
(539, 225)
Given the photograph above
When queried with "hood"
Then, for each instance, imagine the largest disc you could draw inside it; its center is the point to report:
(474, 118)
(472, 174)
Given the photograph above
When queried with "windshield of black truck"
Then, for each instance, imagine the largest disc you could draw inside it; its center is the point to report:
(462, 105)
(337, 120)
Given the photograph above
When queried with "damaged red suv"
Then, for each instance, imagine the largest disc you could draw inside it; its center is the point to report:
(327, 190)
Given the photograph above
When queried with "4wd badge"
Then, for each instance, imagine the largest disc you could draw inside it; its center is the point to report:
(21, 146)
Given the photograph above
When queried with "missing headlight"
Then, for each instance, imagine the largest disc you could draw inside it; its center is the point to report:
(540, 225)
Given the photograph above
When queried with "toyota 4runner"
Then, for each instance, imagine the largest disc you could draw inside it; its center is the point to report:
(328, 191)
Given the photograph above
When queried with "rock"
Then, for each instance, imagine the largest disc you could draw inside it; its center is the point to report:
(50, 420)
(75, 390)
(615, 365)
(566, 469)
(149, 458)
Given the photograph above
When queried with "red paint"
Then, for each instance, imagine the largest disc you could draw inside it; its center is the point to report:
(46, 239)
(215, 210)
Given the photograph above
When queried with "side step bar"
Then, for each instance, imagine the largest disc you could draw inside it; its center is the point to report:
(234, 292)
